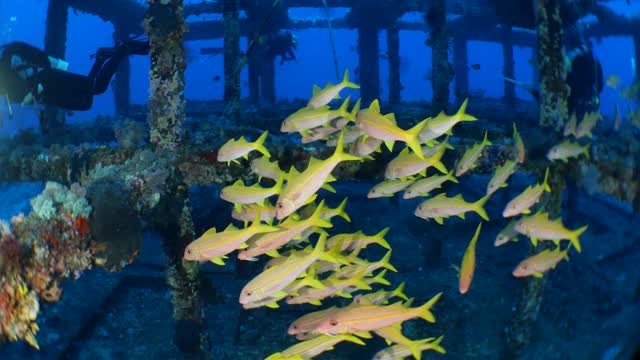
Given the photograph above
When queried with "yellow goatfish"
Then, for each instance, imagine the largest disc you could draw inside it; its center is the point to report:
(322, 132)
(247, 212)
(393, 334)
(332, 287)
(214, 245)
(366, 318)
(521, 151)
(309, 322)
(468, 265)
(442, 206)
(540, 263)
(365, 146)
(589, 121)
(327, 213)
(471, 156)
(409, 164)
(383, 127)
(314, 347)
(301, 187)
(540, 227)
(358, 240)
(350, 271)
(266, 169)
(401, 351)
(239, 194)
(381, 297)
(388, 188)
(570, 126)
(271, 282)
(324, 96)
(507, 234)
(442, 124)
(289, 230)
(306, 118)
(529, 197)
(234, 149)
(567, 149)
(423, 187)
(501, 175)
(350, 133)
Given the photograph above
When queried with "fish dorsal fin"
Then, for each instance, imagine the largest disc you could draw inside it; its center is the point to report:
(391, 117)
(375, 106)
(313, 160)
(210, 231)
(238, 183)
(293, 172)
(230, 227)
(316, 90)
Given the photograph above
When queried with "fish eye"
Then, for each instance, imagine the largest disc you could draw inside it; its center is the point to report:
(333, 323)
(279, 205)
(248, 293)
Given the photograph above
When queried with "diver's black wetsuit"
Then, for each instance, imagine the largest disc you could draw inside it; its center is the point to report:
(281, 43)
(26, 74)
(585, 80)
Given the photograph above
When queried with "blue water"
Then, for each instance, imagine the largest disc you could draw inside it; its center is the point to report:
(314, 52)
(591, 304)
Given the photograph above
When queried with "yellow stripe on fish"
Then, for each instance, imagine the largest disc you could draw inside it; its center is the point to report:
(302, 187)
(384, 128)
(423, 187)
(441, 207)
(540, 227)
(214, 245)
(321, 97)
(233, 149)
(501, 175)
(522, 203)
(401, 351)
(365, 318)
(471, 156)
(442, 124)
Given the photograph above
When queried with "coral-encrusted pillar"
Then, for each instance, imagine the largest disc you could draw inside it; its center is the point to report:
(55, 40)
(393, 50)
(231, 13)
(460, 63)
(441, 72)
(368, 50)
(165, 26)
(508, 63)
(553, 113)
(519, 330)
(122, 88)
(553, 88)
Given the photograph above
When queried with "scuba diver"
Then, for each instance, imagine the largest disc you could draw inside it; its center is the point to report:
(28, 75)
(281, 43)
(584, 78)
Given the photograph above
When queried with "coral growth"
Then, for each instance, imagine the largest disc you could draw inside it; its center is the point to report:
(44, 248)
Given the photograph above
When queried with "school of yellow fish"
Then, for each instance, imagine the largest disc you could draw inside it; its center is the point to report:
(329, 265)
